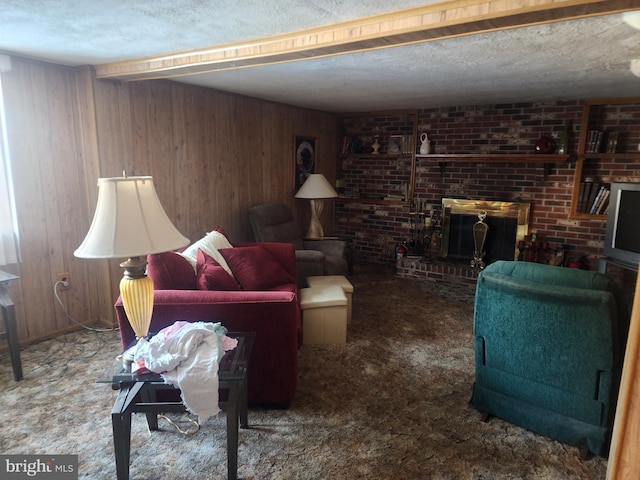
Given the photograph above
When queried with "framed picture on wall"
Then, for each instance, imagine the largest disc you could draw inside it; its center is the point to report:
(304, 159)
(396, 144)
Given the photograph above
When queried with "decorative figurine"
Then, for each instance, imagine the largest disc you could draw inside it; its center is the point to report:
(425, 145)
(376, 145)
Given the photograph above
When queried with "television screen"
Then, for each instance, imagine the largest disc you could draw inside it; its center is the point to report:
(622, 238)
(627, 233)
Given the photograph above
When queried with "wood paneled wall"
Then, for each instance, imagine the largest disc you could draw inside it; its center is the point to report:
(212, 155)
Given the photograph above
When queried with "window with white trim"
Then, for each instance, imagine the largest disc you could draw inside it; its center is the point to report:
(8, 224)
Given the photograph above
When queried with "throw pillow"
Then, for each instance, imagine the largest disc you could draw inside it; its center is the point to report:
(211, 276)
(210, 244)
(255, 268)
(219, 229)
(170, 271)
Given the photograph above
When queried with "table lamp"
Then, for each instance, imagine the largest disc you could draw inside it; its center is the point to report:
(130, 223)
(316, 188)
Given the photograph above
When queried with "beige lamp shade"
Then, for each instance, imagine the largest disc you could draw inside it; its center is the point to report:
(130, 222)
(316, 188)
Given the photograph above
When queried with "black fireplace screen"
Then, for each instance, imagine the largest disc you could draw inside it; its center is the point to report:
(508, 223)
(499, 244)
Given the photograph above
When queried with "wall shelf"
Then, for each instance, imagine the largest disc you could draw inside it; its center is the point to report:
(385, 173)
(611, 156)
(375, 155)
(496, 157)
(596, 118)
(588, 216)
(376, 201)
(546, 159)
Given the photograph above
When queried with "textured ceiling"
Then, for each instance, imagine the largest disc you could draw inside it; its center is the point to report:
(575, 59)
(78, 32)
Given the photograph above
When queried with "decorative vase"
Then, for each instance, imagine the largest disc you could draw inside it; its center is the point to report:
(563, 144)
(376, 145)
(545, 144)
(425, 145)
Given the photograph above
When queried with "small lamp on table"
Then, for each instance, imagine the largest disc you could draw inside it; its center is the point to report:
(316, 188)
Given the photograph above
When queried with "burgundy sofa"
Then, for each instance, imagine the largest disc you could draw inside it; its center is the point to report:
(273, 312)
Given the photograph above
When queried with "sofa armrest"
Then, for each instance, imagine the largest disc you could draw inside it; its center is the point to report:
(309, 263)
(232, 308)
(337, 248)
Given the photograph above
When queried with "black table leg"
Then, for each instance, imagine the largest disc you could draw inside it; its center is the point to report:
(121, 424)
(11, 332)
(232, 432)
(148, 395)
(244, 404)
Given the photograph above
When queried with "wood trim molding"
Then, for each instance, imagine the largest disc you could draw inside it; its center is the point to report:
(437, 21)
(623, 455)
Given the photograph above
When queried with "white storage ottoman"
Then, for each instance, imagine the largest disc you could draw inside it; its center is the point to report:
(339, 280)
(324, 315)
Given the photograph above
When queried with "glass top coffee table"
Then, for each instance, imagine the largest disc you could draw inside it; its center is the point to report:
(137, 393)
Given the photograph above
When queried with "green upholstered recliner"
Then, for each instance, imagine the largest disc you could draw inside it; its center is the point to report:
(549, 347)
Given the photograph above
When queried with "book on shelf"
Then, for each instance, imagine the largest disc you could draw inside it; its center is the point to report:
(347, 145)
(589, 190)
(593, 193)
(603, 193)
(599, 141)
(407, 144)
(349, 195)
(604, 203)
(581, 194)
(595, 140)
(596, 201)
(592, 197)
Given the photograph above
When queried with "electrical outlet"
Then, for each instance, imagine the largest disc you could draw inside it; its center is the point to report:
(65, 281)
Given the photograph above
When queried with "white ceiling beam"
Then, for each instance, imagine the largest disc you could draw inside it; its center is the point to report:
(428, 23)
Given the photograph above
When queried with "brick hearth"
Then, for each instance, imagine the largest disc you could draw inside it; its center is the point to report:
(438, 270)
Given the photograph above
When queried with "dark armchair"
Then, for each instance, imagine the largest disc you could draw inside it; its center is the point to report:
(274, 222)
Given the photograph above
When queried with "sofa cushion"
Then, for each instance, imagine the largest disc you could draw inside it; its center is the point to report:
(210, 244)
(211, 276)
(221, 230)
(170, 271)
(255, 268)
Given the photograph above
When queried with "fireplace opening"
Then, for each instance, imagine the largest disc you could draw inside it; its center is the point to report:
(498, 244)
(508, 223)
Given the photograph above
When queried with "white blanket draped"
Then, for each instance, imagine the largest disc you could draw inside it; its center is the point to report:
(187, 355)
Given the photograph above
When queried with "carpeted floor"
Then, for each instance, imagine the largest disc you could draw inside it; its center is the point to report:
(392, 403)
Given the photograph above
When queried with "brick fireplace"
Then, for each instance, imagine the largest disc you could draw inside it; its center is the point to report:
(449, 256)
(376, 227)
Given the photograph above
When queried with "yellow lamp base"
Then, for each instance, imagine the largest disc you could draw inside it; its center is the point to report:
(137, 299)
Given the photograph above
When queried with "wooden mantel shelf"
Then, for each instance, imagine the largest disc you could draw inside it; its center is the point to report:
(496, 157)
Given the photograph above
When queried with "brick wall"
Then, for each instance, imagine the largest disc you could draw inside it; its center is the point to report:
(377, 228)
